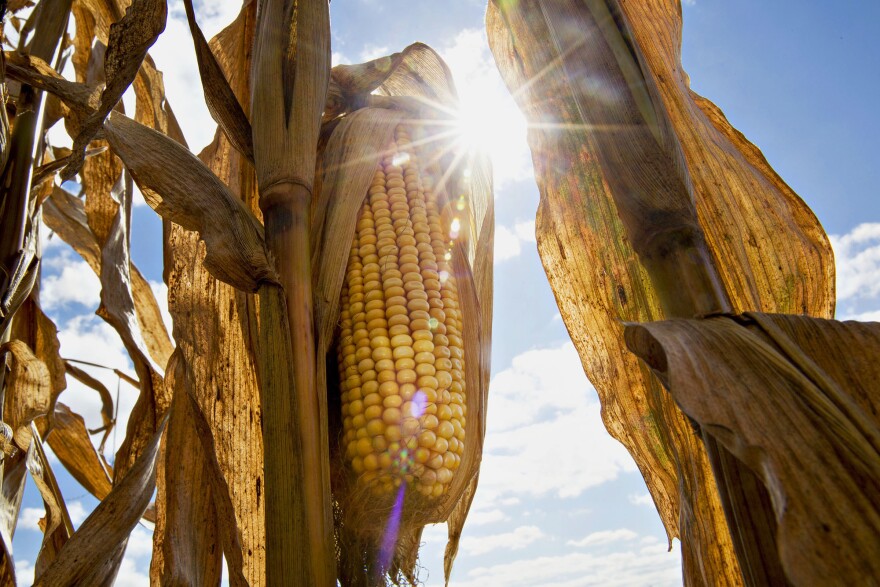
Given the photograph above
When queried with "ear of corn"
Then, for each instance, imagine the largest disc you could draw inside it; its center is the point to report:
(400, 351)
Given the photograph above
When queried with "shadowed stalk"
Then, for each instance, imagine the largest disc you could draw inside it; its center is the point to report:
(290, 77)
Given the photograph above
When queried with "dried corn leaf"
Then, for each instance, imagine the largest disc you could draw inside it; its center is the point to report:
(28, 389)
(65, 215)
(118, 309)
(14, 477)
(71, 443)
(187, 549)
(35, 72)
(819, 453)
(222, 103)
(218, 344)
(57, 527)
(770, 250)
(129, 40)
(182, 189)
(93, 554)
(32, 325)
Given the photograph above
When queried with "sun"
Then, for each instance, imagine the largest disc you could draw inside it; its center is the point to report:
(489, 122)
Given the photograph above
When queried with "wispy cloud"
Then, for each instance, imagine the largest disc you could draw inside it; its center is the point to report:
(641, 499)
(517, 539)
(509, 241)
(557, 445)
(857, 257)
(604, 537)
(73, 281)
(637, 565)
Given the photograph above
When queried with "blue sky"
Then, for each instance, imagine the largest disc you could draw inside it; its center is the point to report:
(560, 502)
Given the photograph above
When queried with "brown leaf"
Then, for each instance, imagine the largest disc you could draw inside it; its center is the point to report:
(217, 341)
(93, 554)
(34, 71)
(31, 324)
(819, 454)
(27, 389)
(130, 38)
(222, 103)
(118, 309)
(186, 547)
(57, 527)
(182, 189)
(14, 477)
(71, 443)
(65, 215)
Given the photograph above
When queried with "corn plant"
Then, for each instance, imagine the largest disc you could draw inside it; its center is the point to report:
(266, 443)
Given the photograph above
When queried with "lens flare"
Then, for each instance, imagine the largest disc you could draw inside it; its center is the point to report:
(389, 538)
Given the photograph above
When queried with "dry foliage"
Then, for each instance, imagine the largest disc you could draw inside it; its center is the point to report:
(235, 423)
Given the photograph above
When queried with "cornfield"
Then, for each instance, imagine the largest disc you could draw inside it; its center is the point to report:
(323, 394)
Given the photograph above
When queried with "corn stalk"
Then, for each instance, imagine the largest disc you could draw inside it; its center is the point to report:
(660, 173)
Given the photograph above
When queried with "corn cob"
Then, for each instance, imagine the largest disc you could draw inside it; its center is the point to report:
(400, 355)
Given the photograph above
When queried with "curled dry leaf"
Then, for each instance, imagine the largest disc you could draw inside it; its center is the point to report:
(222, 103)
(65, 215)
(56, 525)
(34, 71)
(130, 38)
(187, 548)
(819, 454)
(94, 552)
(180, 188)
(11, 494)
(71, 443)
(28, 390)
(32, 324)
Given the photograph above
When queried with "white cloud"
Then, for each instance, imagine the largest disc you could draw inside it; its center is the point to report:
(517, 539)
(370, 52)
(641, 499)
(508, 241)
(30, 517)
(482, 518)
(604, 537)
(88, 338)
(858, 261)
(76, 283)
(648, 565)
(337, 58)
(545, 434)
(24, 572)
(160, 291)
